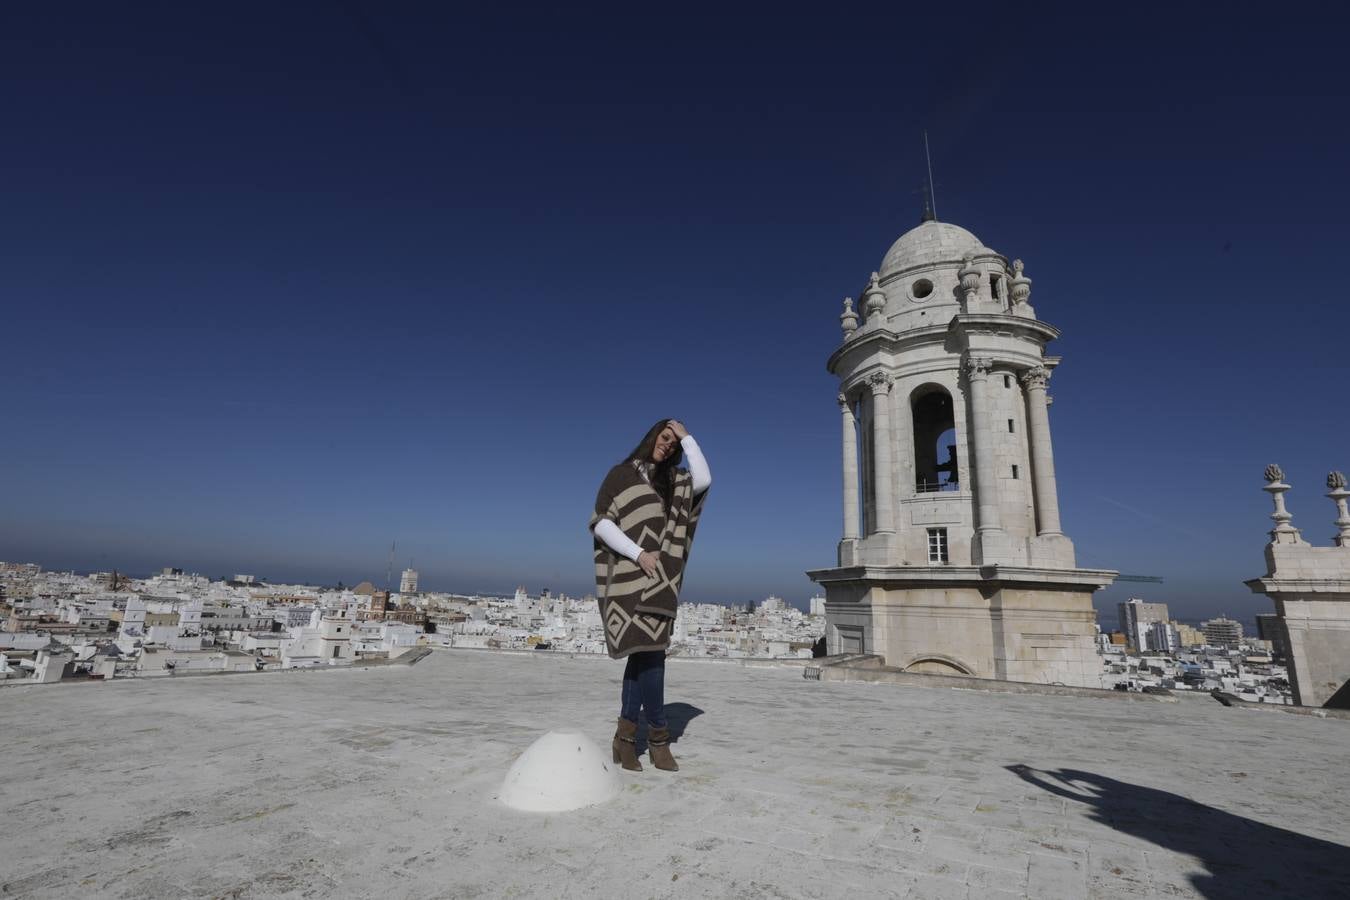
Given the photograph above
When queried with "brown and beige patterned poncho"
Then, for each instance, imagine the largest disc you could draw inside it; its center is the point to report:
(637, 610)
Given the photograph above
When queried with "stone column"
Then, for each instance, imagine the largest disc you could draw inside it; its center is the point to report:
(883, 477)
(982, 449)
(850, 469)
(902, 430)
(1042, 453)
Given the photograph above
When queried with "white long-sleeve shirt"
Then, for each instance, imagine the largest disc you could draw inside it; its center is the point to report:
(608, 531)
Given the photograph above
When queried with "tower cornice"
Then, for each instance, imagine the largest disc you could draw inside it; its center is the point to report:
(992, 575)
(997, 323)
(884, 339)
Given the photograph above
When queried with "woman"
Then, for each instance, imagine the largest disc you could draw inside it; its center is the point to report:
(644, 521)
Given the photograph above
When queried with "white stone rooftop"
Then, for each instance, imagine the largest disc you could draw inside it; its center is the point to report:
(382, 782)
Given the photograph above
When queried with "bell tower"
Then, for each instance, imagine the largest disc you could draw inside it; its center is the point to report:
(952, 557)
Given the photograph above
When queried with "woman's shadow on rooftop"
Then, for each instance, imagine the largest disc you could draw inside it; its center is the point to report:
(678, 717)
(1244, 858)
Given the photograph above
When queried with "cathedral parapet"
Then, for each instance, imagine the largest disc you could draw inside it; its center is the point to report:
(1310, 587)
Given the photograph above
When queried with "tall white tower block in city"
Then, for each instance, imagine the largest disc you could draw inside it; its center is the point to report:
(952, 558)
(408, 583)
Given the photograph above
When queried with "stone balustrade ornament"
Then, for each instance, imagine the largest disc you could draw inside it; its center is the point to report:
(1021, 285)
(1335, 481)
(848, 320)
(1274, 473)
(874, 300)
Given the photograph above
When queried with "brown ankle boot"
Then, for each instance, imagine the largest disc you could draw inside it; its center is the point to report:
(625, 746)
(658, 745)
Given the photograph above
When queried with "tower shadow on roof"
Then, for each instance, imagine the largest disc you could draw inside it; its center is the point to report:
(1244, 857)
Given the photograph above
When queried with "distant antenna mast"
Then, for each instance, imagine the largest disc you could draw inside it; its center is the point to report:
(932, 199)
(389, 570)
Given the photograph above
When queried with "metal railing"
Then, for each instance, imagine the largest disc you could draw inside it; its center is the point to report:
(923, 486)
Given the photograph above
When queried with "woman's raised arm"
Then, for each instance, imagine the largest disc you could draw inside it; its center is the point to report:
(698, 466)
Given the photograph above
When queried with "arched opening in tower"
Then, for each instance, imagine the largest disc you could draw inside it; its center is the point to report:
(934, 432)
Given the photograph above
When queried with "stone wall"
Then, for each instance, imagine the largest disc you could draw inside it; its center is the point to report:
(982, 628)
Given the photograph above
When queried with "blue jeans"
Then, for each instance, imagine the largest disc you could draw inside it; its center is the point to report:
(644, 688)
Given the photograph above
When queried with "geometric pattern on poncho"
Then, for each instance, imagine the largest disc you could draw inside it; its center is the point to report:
(637, 609)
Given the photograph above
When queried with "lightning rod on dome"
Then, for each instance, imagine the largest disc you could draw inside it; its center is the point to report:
(931, 211)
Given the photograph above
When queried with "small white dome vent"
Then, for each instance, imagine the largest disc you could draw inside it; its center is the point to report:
(562, 770)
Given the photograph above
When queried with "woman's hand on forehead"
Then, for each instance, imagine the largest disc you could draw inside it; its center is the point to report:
(677, 428)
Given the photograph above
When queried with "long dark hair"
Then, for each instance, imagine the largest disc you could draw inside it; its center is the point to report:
(662, 473)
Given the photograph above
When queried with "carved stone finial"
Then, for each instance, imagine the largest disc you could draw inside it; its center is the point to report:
(848, 320)
(1284, 531)
(1339, 495)
(1020, 286)
(874, 299)
(970, 278)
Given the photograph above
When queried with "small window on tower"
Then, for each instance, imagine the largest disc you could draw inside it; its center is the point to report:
(937, 545)
(1007, 381)
(1014, 471)
(1010, 426)
(996, 287)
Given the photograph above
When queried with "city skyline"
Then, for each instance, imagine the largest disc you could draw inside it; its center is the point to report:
(1105, 616)
(280, 296)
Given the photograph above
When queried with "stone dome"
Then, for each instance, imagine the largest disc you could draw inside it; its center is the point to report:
(928, 244)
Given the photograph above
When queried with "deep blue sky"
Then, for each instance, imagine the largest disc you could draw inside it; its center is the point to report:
(285, 282)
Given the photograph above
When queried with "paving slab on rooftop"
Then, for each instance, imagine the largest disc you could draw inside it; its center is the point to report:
(381, 782)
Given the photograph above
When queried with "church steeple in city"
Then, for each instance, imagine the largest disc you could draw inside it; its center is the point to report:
(951, 508)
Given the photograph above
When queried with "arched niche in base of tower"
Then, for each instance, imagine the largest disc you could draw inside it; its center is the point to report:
(934, 429)
(937, 664)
